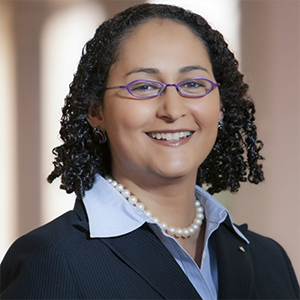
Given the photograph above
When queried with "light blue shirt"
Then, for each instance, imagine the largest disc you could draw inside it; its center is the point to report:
(111, 215)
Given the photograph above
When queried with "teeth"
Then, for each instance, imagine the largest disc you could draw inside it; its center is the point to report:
(171, 136)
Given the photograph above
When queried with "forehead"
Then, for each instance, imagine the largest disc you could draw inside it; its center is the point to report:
(159, 42)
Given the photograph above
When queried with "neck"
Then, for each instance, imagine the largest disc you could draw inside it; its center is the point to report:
(171, 201)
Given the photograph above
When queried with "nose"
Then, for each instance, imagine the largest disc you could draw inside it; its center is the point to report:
(172, 105)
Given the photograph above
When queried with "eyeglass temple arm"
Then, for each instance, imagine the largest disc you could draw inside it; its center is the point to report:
(115, 87)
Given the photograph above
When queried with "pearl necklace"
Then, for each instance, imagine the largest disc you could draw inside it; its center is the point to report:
(176, 232)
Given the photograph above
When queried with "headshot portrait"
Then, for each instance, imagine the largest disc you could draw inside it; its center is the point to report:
(150, 149)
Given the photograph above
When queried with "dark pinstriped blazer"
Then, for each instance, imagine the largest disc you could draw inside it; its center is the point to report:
(61, 261)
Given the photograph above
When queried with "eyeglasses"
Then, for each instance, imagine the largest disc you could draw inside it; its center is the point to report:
(147, 88)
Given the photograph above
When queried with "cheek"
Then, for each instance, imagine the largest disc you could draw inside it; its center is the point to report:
(207, 114)
(126, 116)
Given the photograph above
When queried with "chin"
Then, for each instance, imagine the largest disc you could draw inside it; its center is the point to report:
(177, 172)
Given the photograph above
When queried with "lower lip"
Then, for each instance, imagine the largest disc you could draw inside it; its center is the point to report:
(170, 143)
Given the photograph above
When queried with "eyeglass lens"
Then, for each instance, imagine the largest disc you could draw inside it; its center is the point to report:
(144, 88)
(193, 87)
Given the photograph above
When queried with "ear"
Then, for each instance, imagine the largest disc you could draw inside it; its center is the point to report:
(221, 113)
(95, 116)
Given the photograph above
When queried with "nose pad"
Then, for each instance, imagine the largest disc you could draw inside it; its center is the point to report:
(172, 105)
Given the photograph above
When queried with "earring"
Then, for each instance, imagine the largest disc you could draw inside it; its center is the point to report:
(99, 135)
(220, 127)
(220, 124)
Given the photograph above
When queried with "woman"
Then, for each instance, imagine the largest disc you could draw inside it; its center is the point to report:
(157, 105)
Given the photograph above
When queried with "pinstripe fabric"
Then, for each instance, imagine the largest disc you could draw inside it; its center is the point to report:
(60, 261)
(129, 249)
(263, 271)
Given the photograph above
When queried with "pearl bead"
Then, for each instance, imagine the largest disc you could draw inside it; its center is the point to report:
(133, 200)
(200, 216)
(119, 187)
(198, 221)
(164, 225)
(176, 232)
(199, 209)
(147, 213)
(156, 220)
(195, 226)
(191, 230)
(114, 183)
(140, 206)
(125, 193)
(185, 232)
(171, 230)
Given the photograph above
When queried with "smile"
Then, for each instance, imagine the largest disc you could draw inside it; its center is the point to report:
(171, 137)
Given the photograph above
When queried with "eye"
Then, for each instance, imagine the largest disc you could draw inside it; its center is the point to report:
(193, 84)
(142, 88)
(195, 87)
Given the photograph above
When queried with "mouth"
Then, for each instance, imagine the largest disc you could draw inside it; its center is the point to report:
(170, 137)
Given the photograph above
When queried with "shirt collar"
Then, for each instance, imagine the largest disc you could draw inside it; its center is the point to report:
(215, 212)
(111, 215)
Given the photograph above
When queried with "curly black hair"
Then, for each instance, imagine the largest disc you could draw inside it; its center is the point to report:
(235, 155)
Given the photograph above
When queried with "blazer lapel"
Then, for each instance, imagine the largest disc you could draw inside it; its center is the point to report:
(235, 271)
(144, 252)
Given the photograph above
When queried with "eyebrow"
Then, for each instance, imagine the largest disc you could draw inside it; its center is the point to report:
(156, 71)
(191, 68)
(143, 70)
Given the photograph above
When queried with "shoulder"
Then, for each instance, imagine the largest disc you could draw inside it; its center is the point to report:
(57, 232)
(41, 256)
(63, 234)
(262, 245)
(64, 223)
(270, 260)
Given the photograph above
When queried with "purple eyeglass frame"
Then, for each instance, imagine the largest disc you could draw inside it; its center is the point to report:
(213, 85)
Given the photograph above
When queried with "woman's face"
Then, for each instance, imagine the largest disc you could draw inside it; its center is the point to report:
(169, 52)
